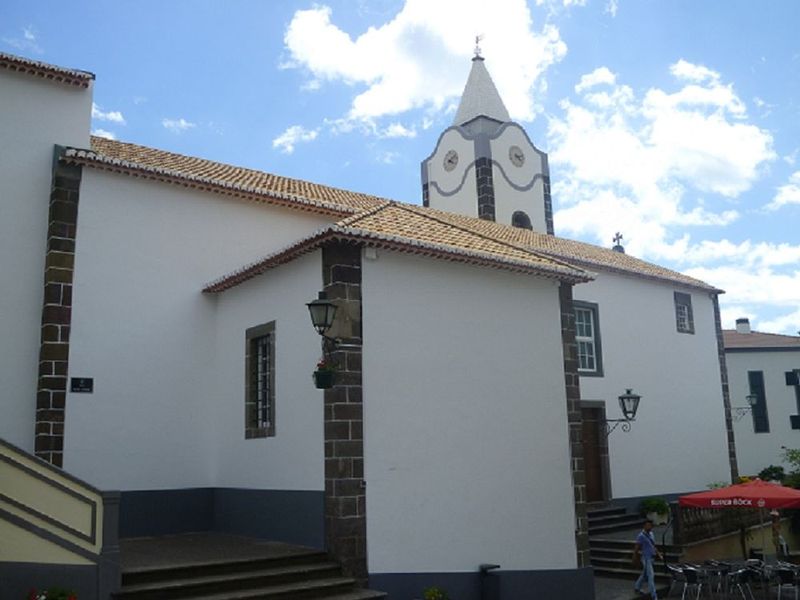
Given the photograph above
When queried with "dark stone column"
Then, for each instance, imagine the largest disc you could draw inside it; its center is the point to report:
(726, 395)
(345, 491)
(484, 181)
(51, 390)
(573, 389)
(548, 202)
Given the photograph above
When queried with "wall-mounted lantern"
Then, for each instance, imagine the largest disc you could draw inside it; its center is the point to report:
(323, 312)
(737, 412)
(629, 404)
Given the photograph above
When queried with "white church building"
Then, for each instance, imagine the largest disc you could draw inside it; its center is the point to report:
(156, 342)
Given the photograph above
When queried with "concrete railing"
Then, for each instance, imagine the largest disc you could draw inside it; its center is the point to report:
(55, 526)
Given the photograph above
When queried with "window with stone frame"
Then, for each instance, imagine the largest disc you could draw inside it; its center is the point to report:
(260, 381)
(684, 318)
(755, 380)
(587, 338)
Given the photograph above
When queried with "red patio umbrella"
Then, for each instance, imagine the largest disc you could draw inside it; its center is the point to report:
(753, 494)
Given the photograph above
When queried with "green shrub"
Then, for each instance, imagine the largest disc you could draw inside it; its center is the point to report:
(772, 473)
(654, 505)
(435, 593)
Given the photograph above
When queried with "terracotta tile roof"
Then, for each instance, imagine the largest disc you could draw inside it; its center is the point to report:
(220, 177)
(446, 229)
(757, 340)
(411, 229)
(45, 71)
(578, 253)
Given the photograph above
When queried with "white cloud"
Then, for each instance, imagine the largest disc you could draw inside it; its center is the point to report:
(655, 165)
(788, 193)
(692, 72)
(292, 136)
(177, 125)
(420, 58)
(612, 6)
(597, 77)
(397, 130)
(113, 116)
(661, 165)
(28, 42)
(388, 157)
(103, 133)
(788, 323)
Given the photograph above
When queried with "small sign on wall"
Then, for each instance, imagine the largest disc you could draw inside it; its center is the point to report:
(81, 385)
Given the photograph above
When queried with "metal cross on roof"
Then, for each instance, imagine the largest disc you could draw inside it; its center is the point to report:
(478, 39)
(617, 238)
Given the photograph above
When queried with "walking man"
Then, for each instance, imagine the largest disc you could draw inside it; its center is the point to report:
(647, 551)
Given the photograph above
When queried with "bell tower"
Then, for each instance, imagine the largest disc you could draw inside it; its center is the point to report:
(484, 165)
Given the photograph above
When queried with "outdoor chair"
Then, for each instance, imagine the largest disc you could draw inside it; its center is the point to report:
(740, 580)
(678, 578)
(785, 578)
(695, 579)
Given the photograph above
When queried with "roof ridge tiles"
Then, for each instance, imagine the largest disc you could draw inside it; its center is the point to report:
(75, 77)
(130, 157)
(522, 248)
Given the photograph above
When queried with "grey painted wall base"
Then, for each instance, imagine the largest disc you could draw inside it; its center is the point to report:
(294, 517)
(575, 584)
(17, 579)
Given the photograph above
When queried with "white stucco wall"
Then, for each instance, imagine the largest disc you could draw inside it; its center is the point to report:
(465, 424)
(507, 199)
(678, 442)
(758, 450)
(294, 458)
(35, 115)
(465, 201)
(144, 331)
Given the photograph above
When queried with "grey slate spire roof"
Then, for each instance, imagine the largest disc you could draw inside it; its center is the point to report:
(480, 97)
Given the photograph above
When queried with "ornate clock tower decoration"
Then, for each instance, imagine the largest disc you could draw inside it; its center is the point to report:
(485, 165)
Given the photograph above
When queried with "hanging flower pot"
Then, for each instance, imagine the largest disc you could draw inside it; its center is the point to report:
(324, 375)
(323, 379)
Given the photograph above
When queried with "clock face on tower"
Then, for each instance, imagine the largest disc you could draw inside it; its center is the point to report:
(450, 160)
(516, 156)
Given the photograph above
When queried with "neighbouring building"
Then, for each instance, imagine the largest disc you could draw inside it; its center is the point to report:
(765, 366)
(157, 342)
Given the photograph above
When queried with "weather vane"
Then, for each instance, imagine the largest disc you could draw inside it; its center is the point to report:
(478, 39)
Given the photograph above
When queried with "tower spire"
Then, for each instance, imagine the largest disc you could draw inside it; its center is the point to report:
(480, 97)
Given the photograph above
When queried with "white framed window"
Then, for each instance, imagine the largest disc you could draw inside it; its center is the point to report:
(260, 381)
(684, 319)
(587, 338)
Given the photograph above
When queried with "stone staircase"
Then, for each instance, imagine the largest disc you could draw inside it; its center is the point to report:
(300, 573)
(612, 532)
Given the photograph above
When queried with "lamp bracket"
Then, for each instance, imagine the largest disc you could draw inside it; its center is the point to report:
(738, 412)
(626, 425)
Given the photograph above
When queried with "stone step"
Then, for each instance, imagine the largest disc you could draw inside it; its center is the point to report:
(322, 589)
(601, 552)
(612, 519)
(191, 586)
(627, 545)
(131, 577)
(605, 511)
(634, 523)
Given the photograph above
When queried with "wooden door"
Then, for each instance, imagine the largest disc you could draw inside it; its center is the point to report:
(594, 443)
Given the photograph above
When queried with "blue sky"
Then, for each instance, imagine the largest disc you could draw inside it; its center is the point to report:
(676, 123)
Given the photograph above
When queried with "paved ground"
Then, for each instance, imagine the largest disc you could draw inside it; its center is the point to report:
(611, 588)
